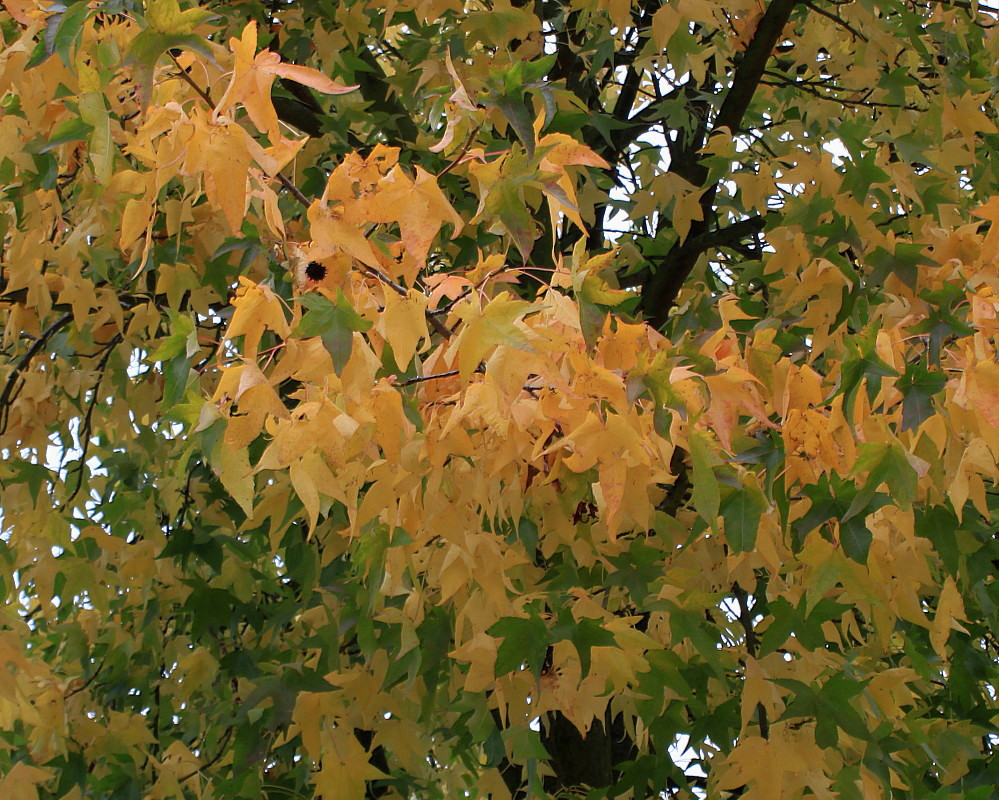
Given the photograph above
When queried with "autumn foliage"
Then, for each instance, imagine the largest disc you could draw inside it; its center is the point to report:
(433, 399)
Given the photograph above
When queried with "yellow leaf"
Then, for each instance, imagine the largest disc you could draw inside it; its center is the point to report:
(21, 783)
(22, 10)
(983, 392)
(228, 160)
(197, 671)
(950, 608)
(304, 75)
(134, 221)
(561, 150)
(345, 767)
(664, 24)
(233, 468)
(404, 324)
(94, 111)
(307, 717)
(418, 206)
(495, 325)
(331, 234)
(303, 479)
(165, 16)
(256, 309)
(479, 653)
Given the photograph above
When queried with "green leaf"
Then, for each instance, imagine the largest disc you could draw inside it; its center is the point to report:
(72, 130)
(183, 339)
(146, 49)
(506, 201)
(586, 634)
(518, 113)
(335, 322)
(919, 386)
(706, 496)
(884, 463)
(534, 71)
(687, 625)
(525, 641)
(742, 511)
(68, 31)
(856, 538)
(94, 111)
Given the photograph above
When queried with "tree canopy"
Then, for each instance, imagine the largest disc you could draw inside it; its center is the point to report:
(491, 398)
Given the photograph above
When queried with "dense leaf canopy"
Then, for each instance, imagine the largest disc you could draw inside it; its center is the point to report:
(444, 399)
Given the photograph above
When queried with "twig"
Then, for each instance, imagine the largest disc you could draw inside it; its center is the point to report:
(86, 426)
(435, 323)
(89, 680)
(461, 155)
(837, 19)
(752, 646)
(213, 759)
(8, 394)
(422, 378)
(291, 187)
(202, 93)
(281, 177)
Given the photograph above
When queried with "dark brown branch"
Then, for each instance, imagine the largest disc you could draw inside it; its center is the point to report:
(752, 647)
(461, 155)
(730, 236)
(435, 323)
(754, 62)
(660, 293)
(89, 680)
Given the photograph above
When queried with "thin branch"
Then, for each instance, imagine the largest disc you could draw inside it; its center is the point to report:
(291, 187)
(85, 428)
(210, 762)
(202, 93)
(89, 680)
(398, 288)
(837, 19)
(9, 393)
(812, 89)
(435, 323)
(281, 177)
(423, 378)
(464, 150)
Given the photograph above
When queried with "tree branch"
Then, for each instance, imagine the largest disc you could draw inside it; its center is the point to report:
(659, 294)
(752, 647)
(754, 62)
(9, 393)
(730, 236)
(85, 427)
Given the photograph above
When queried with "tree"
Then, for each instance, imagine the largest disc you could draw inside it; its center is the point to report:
(441, 399)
